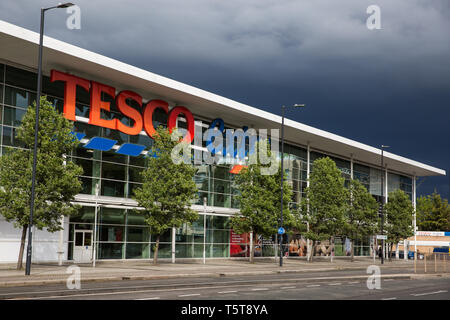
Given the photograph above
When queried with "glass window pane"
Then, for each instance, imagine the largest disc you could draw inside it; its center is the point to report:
(55, 88)
(21, 78)
(88, 238)
(89, 130)
(165, 237)
(110, 250)
(85, 214)
(13, 116)
(217, 222)
(113, 188)
(222, 200)
(217, 236)
(79, 238)
(87, 184)
(9, 137)
(135, 174)
(221, 172)
(113, 171)
(221, 186)
(112, 216)
(217, 250)
(135, 218)
(138, 234)
(131, 188)
(138, 251)
(114, 157)
(87, 166)
(83, 96)
(140, 161)
(111, 233)
(164, 250)
(18, 97)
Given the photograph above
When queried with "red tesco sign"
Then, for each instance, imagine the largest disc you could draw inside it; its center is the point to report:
(141, 121)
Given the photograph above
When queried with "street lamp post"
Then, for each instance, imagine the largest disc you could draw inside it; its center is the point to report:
(38, 102)
(382, 201)
(282, 175)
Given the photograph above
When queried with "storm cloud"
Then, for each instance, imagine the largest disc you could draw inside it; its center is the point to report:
(388, 86)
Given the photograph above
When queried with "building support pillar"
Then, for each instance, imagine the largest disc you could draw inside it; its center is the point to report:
(386, 246)
(61, 243)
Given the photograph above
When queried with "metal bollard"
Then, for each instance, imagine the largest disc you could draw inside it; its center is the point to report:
(425, 262)
(415, 268)
(435, 264)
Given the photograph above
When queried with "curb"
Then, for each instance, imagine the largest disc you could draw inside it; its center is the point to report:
(190, 275)
(207, 284)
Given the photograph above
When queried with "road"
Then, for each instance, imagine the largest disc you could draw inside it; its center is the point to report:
(330, 285)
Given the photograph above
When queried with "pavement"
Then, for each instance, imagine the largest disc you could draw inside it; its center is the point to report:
(42, 274)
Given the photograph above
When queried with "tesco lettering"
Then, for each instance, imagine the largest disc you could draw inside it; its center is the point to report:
(142, 120)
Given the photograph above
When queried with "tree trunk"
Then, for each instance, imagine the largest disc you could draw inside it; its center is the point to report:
(252, 248)
(22, 247)
(155, 255)
(311, 252)
(331, 249)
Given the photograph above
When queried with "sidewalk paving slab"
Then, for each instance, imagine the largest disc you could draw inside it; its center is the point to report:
(42, 274)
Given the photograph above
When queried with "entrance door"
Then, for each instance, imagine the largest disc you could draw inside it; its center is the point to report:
(82, 249)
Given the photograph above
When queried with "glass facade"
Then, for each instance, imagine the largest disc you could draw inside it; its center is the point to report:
(121, 233)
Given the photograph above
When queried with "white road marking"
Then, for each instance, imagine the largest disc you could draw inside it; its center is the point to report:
(427, 293)
(189, 295)
(335, 284)
(353, 282)
(123, 292)
(153, 298)
(386, 279)
(259, 289)
(393, 298)
(233, 291)
(313, 285)
(287, 288)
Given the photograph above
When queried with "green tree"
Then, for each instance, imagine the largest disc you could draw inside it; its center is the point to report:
(362, 214)
(259, 200)
(56, 181)
(325, 203)
(168, 189)
(433, 213)
(399, 218)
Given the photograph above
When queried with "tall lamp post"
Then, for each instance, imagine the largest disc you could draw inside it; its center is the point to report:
(382, 201)
(38, 102)
(282, 174)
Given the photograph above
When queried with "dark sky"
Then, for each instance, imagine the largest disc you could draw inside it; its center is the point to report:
(389, 86)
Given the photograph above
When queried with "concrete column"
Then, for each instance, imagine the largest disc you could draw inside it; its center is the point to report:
(61, 243)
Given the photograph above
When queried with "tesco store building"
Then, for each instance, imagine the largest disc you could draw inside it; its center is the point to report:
(114, 145)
